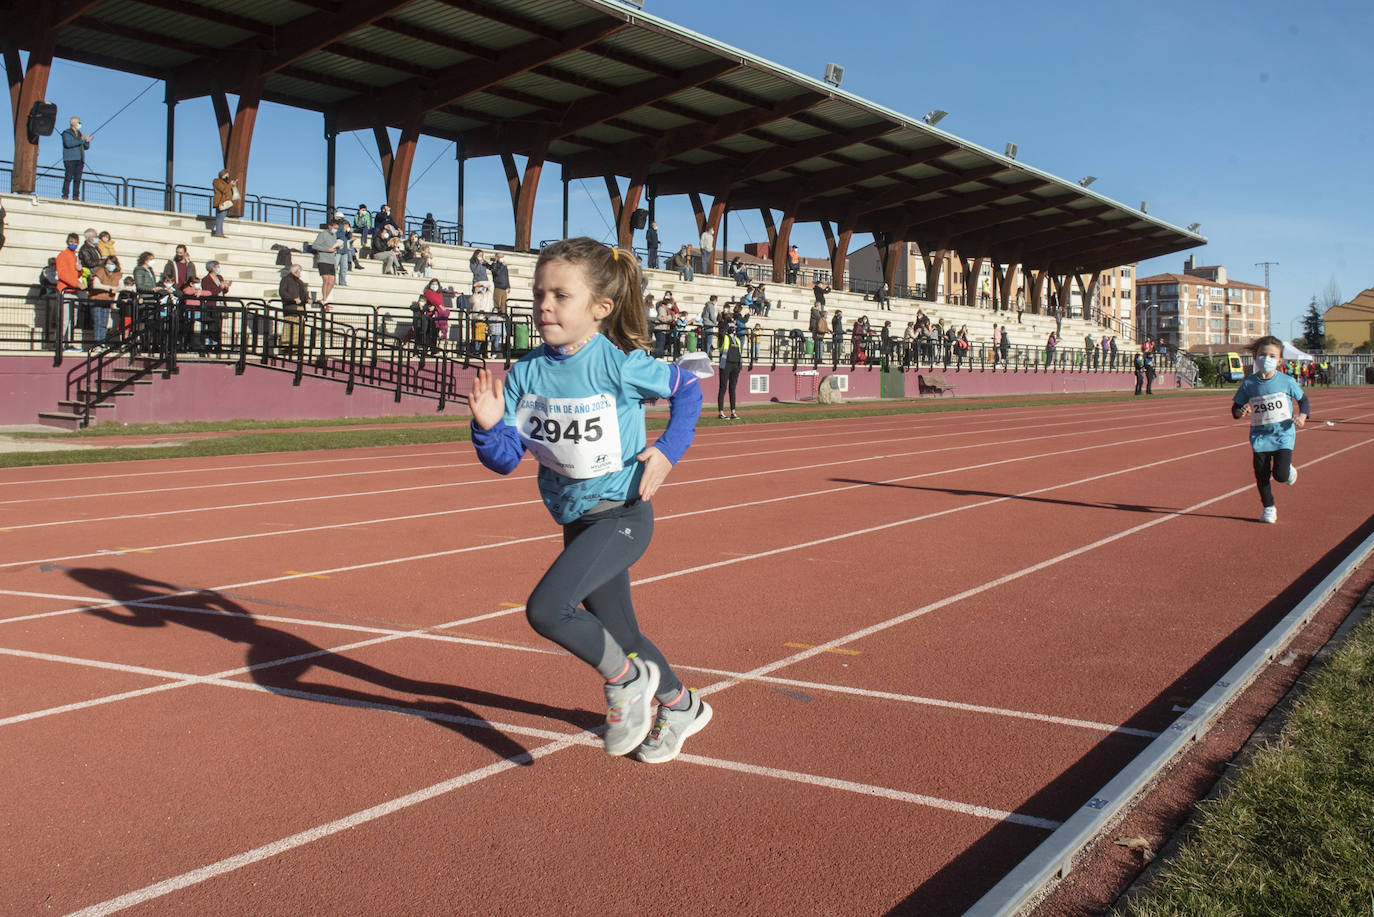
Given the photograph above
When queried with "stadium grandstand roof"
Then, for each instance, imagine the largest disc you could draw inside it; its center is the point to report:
(601, 87)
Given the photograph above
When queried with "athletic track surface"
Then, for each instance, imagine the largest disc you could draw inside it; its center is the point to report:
(303, 684)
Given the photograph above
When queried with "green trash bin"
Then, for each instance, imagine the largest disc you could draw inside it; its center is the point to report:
(522, 337)
(809, 347)
(691, 341)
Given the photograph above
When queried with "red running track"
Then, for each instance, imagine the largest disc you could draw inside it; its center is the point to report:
(302, 683)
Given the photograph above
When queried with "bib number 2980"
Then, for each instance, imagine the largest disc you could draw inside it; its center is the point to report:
(577, 437)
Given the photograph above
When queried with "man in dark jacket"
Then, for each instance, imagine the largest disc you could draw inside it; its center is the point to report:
(89, 255)
(74, 147)
(295, 296)
(651, 240)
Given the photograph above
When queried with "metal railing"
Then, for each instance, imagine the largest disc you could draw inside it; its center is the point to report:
(150, 194)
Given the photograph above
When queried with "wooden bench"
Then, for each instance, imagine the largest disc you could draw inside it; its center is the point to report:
(933, 382)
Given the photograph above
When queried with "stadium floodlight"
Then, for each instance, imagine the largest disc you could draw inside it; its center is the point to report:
(1087, 180)
(834, 74)
(1011, 150)
(1144, 206)
(934, 116)
(1194, 227)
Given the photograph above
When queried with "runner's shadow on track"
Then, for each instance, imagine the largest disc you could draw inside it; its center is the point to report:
(278, 660)
(1092, 504)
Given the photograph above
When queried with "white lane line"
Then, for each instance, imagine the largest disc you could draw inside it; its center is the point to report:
(922, 701)
(230, 864)
(750, 503)
(50, 595)
(1002, 580)
(495, 479)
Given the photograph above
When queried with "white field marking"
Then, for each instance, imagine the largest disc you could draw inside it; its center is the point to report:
(506, 611)
(246, 466)
(357, 472)
(865, 789)
(230, 864)
(1001, 580)
(485, 480)
(50, 595)
(448, 467)
(830, 490)
(919, 700)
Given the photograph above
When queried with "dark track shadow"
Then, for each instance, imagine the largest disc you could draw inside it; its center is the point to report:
(1055, 501)
(967, 877)
(214, 613)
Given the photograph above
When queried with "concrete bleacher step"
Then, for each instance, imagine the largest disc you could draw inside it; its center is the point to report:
(62, 420)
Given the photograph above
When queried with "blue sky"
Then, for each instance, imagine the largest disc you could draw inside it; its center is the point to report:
(1252, 119)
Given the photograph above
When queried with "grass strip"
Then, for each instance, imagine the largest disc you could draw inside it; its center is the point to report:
(1294, 835)
(251, 437)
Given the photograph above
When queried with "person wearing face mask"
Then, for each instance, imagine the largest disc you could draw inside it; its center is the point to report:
(74, 147)
(215, 287)
(226, 191)
(1276, 406)
(105, 281)
(438, 311)
(70, 286)
(181, 269)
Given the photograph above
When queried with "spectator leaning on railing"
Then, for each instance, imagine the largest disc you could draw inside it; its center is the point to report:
(105, 282)
(295, 297)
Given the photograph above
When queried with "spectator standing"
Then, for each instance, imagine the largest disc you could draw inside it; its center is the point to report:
(434, 295)
(327, 245)
(295, 297)
(181, 269)
(496, 328)
(1114, 351)
(755, 337)
(1006, 349)
(145, 281)
(105, 283)
(344, 234)
(127, 305)
(793, 264)
(1051, 343)
(89, 254)
(880, 297)
(819, 291)
(819, 324)
(478, 265)
(836, 336)
(961, 347)
(651, 240)
(710, 313)
(996, 345)
(429, 229)
(663, 323)
(500, 282)
(226, 191)
(215, 288)
(708, 248)
(731, 363)
(74, 147)
(1089, 351)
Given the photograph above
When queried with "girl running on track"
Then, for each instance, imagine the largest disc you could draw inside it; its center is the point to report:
(577, 405)
(1275, 403)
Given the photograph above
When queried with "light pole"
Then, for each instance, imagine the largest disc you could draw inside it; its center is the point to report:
(1291, 334)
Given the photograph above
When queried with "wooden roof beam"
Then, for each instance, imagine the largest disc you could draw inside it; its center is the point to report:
(886, 197)
(232, 67)
(678, 140)
(844, 176)
(597, 110)
(404, 99)
(911, 216)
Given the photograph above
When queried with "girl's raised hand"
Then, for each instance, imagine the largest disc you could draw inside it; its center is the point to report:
(656, 468)
(487, 401)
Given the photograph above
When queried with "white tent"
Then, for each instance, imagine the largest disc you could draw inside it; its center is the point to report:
(1291, 352)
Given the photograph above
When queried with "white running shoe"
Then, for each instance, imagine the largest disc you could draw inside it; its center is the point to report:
(629, 709)
(1292, 475)
(1270, 514)
(672, 728)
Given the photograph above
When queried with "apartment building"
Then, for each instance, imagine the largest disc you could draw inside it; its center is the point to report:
(1201, 306)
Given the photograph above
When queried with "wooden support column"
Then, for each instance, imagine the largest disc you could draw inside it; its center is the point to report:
(27, 87)
(1061, 289)
(780, 238)
(236, 133)
(1089, 292)
(1037, 294)
(396, 166)
(837, 243)
(891, 253)
(934, 260)
(1007, 282)
(522, 191)
(779, 267)
(624, 210)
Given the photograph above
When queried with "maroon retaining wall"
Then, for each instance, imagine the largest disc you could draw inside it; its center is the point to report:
(211, 391)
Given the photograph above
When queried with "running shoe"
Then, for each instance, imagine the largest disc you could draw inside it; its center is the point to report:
(629, 709)
(1292, 475)
(1270, 514)
(734, 416)
(721, 415)
(672, 728)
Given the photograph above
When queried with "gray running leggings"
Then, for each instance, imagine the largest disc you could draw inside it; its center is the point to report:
(594, 570)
